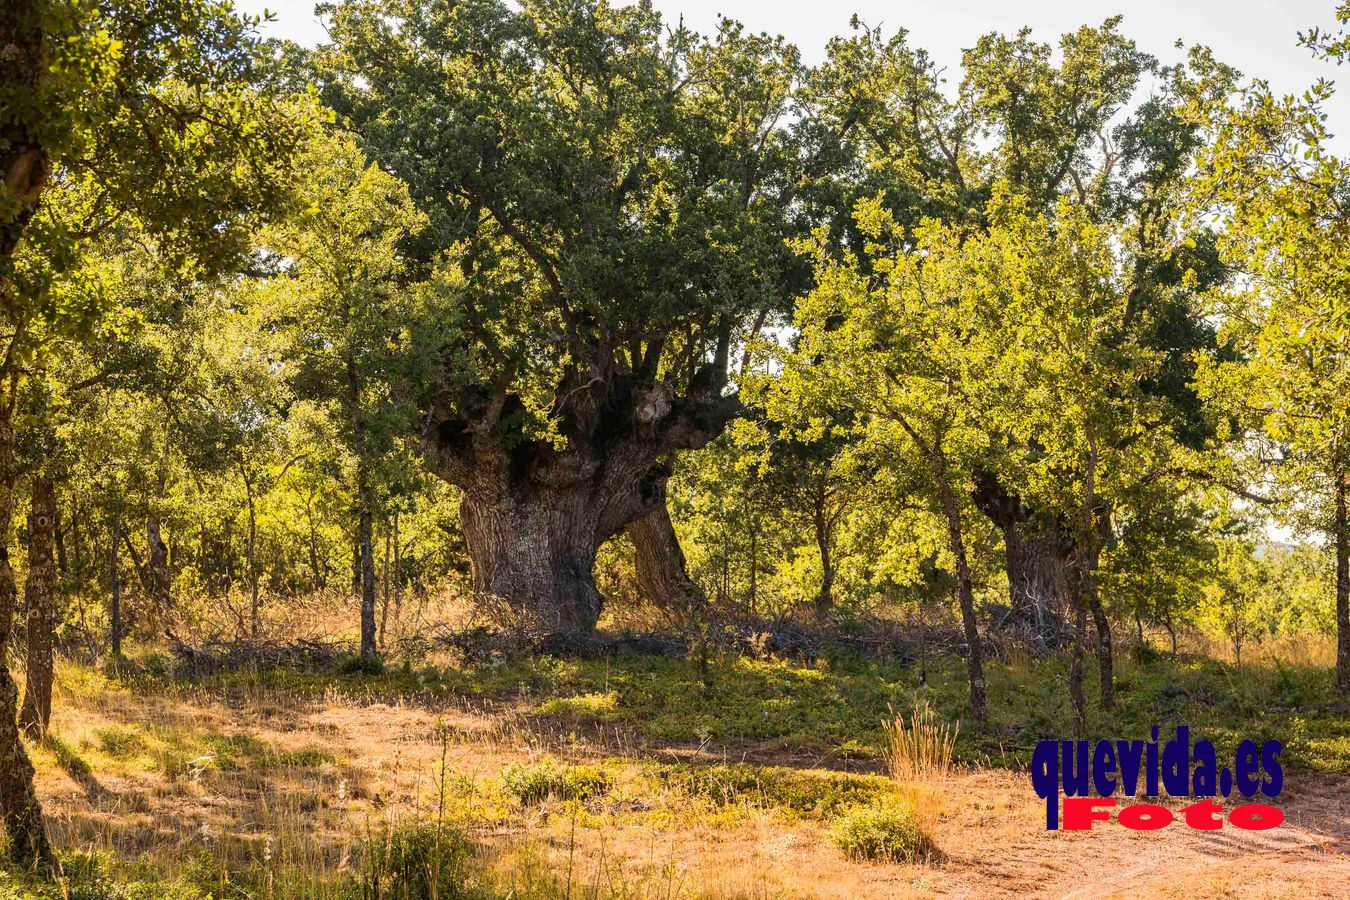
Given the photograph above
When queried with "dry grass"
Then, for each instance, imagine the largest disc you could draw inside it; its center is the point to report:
(918, 757)
(919, 749)
(270, 789)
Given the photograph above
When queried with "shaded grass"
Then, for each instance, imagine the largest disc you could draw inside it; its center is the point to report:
(836, 705)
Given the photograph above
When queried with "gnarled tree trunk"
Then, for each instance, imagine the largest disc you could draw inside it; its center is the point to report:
(534, 514)
(534, 551)
(661, 573)
(39, 592)
(1038, 550)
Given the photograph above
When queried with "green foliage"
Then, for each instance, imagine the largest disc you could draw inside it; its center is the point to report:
(96, 876)
(816, 794)
(420, 861)
(885, 832)
(532, 784)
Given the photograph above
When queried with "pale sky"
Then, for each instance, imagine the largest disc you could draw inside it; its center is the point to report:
(1259, 37)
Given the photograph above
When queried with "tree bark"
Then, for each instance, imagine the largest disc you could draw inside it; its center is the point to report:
(28, 842)
(24, 164)
(1105, 661)
(1077, 700)
(40, 597)
(115, 600)
(1342, 528)
(365, 515)
(536, 554)
(254, 598)
(158, 576)
(535, 512)
(1037, 551)
(662, 575)
(825, 594)
(965, 593)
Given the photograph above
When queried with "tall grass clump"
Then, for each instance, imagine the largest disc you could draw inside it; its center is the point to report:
(422, 861)
(918, 751)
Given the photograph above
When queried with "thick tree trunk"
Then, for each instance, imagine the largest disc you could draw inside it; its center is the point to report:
(661, 573)
(536, 554)
(535, 512)
(1037, 550)
(40, 596)
(1342, 527)
(28, 843)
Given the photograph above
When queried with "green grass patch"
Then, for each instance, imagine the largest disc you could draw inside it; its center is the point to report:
(533, 784)
(805, 792)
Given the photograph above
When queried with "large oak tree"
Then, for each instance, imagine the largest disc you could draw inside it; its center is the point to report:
(607, 203)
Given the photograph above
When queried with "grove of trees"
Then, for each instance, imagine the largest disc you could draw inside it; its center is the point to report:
(475, 294)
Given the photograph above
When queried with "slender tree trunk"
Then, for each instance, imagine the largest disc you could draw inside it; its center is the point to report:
(1342, 527)
(965, 592)
(254, 611)
(40, 596)
(28, 843)
(364, 528)
(1105, 661)
(77, 564)
(754, 567)
(157, 574)
(384, 577)
(661, 572)
(115, 603)
(825, 594)
(396, 584)
(319, 579)
(1077, 699)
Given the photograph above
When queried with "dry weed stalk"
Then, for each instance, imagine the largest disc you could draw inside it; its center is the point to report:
(919, 751)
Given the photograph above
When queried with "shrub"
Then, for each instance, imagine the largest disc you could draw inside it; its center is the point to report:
(581, 705)
(533, 784)
(888, 832)
(354, 664)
